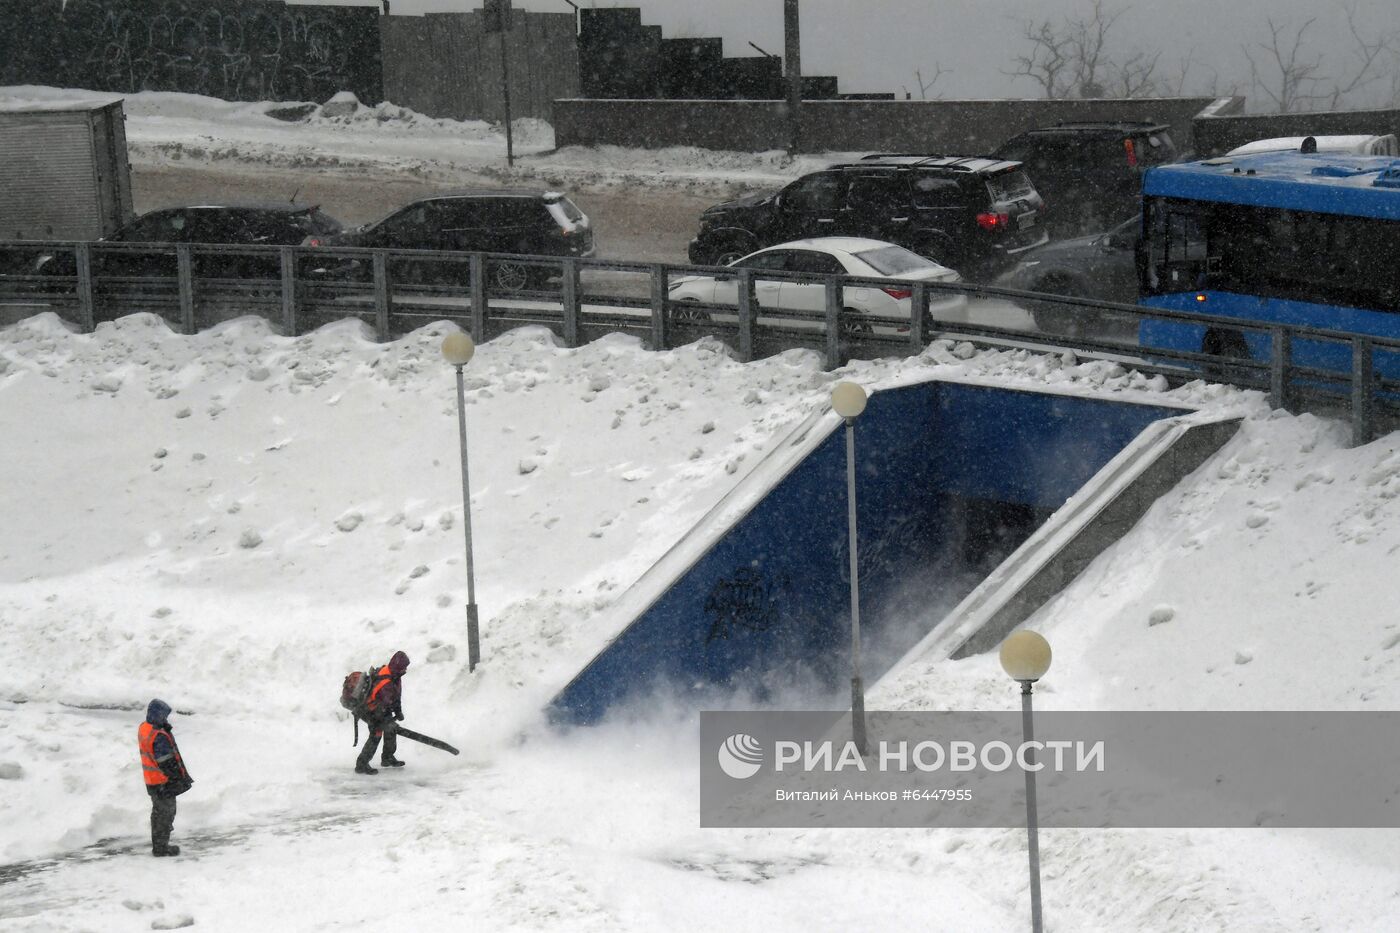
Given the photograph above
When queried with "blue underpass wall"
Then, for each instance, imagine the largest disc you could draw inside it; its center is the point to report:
(771, 596)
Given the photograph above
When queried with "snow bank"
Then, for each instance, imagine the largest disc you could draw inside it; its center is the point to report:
(171, 127)
(233, 520)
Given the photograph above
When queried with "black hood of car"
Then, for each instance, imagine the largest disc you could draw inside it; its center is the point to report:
(744, 203)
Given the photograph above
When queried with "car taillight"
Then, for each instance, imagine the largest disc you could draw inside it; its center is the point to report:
(1132, 153)
(313, 241)
(898, 294)
(993, 220)
(565, 231)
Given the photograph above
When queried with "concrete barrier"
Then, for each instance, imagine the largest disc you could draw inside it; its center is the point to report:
(1218, 134)
(952, 126)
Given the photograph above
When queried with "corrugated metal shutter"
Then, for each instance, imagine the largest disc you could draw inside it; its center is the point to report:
(48, 186)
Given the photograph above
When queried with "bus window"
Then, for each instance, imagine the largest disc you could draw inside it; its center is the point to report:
(1305, 256)
(1186, 241)
(1178, 247)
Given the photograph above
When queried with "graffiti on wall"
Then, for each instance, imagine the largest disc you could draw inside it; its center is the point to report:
(233, 49)
(743, 601)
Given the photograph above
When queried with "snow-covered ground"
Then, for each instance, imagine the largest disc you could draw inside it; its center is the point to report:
(231, 521)
(166, 127)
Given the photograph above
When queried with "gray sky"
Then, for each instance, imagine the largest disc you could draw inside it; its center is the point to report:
(876, 45)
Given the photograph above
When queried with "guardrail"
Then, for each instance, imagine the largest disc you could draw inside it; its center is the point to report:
(300, 288)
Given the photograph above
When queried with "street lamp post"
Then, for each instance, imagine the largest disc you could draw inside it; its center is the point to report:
(458, 350)
(1025, 656)
(848, 400)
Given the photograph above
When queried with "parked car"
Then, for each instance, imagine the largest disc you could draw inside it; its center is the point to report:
(508, 220)
(1089, 173)
(1356, 144)
(828, 255)
(1102, 266)
(972, 214)
(239, 224)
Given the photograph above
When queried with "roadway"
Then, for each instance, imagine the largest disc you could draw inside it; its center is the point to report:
(652, 224)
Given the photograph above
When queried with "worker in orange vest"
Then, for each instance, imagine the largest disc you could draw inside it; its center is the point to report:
(384, 713)
(165, 774)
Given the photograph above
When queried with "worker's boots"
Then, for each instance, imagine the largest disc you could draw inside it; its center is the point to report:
(362, 768)
(390, 762)
(166, 850)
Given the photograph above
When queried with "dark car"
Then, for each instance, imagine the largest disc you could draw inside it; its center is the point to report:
(970, 214)
(520, 221)
(1102, 266)
(1090, 173)
(232, 224)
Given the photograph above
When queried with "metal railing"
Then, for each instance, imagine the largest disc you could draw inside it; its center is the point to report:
(395, 291)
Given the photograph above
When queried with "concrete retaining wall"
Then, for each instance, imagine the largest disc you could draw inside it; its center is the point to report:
(1218, 135)
(952, 126)
(444, 65)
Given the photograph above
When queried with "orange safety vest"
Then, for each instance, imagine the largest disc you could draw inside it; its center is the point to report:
(150, 769)
(383, 677)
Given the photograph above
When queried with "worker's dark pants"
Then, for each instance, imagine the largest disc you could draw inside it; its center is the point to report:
(162, 820)
(390, 729)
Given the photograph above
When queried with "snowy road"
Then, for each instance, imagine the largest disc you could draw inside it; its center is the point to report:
(654, 227)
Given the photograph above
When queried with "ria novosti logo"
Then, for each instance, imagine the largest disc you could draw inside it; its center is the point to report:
(740, 756)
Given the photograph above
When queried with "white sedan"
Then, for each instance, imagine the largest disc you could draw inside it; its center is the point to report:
(830, 255)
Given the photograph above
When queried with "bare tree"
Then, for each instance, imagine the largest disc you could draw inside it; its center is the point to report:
(1176, 84)
(1134, 76)
(1289, 76)
(1088, 42)
(1074, 57)
(1048, 59)
(926, 86)
(1369, 58)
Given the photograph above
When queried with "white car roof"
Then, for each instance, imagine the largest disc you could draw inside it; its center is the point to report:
(851, 246)
(832, 244)
(1352, 143)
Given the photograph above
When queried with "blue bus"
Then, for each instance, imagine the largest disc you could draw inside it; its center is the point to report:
(1295, 237)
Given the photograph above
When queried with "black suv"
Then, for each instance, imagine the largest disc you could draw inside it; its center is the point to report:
(273, 224)
(1090, 173)
(970, 214)
(512, 220)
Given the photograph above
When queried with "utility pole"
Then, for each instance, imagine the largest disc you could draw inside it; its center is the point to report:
(505, 95)
(496, 16)
(792, 39)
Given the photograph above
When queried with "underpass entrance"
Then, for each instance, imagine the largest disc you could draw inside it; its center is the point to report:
(952, 478)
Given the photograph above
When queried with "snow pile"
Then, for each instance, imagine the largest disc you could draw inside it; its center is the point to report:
(167, 127)
(343, 105)
(233, 520)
